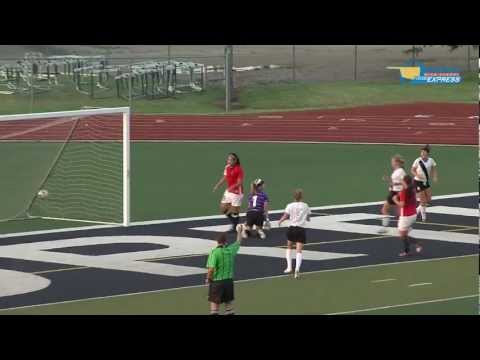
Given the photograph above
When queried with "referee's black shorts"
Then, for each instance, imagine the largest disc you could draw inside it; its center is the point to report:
(296, 234)
(221, 291)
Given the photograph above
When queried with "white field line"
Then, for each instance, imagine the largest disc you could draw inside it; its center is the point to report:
(211, 217)
(402, 305)
(240, 281)
(381, 281)
(420, 284)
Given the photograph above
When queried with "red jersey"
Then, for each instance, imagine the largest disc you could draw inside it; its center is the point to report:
(232, 174)
(410, 207)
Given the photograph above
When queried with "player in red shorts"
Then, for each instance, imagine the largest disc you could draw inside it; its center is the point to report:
(232, 198)
(407, 203)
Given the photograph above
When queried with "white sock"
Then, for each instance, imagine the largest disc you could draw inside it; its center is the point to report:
(423, 211)
(418, 209)
(289, 258)
(298, 261)
(385, 221)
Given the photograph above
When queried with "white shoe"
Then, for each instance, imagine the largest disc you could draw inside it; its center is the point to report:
(244, 233)
(287, 271)
(261, 234)
(297, 274)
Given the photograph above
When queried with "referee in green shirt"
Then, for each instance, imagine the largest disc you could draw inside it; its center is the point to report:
(220, 265)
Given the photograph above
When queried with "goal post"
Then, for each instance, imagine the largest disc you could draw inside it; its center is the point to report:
(66, 165)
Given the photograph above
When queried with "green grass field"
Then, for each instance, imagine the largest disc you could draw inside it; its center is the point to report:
(175, 180)
(329, 292)
(255, 97)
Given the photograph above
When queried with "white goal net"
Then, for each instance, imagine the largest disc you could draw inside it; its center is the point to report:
(71, 165)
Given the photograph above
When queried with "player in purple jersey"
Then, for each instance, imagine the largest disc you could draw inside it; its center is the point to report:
(257, 211)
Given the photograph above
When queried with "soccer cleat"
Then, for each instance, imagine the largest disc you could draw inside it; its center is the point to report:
(261, 234)
(403, 254)
(419, 248)
(287, 271)
(297, 274)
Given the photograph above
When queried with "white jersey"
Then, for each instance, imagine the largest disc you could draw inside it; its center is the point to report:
(298, 212)
(397, 178)
(419, 174)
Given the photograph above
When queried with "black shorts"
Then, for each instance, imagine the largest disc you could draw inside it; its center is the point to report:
(255, 218)
(390, 196)
(296, 234)
(221, 291)
(421, 186)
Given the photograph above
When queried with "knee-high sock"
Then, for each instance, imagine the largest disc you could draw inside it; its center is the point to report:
(423, 211)
(406, 244)
(298, 261)
(288, 255)
(385, 220)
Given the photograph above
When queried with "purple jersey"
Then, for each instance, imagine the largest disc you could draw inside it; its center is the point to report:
(257, 201)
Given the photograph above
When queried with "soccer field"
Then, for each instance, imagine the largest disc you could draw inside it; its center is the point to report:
(175, 180)
(348, 267)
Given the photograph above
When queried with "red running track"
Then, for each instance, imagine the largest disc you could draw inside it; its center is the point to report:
(418, 123)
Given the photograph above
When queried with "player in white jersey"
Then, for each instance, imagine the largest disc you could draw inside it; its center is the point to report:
(424, 170)
(299, 213)
(395, 186)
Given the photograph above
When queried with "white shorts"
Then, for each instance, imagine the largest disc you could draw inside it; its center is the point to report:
(405, 223)
(231, 198)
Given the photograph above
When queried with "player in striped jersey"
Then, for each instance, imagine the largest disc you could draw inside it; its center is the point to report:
(257, 211)
(424, 169)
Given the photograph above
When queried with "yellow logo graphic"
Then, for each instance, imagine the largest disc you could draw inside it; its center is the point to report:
(407, 72)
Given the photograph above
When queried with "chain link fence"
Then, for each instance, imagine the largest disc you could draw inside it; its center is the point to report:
(136, 75)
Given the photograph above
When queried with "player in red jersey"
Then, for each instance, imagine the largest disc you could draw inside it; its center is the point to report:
(232, 198)
(407, 203)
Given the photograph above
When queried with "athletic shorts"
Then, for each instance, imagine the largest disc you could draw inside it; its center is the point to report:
(421, 186)
(231, 198)
(390, 196)
(405, 223)
(255, 218)
(296, 234)
(221, 291)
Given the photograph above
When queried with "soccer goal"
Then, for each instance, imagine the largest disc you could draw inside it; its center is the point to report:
(68, 165)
